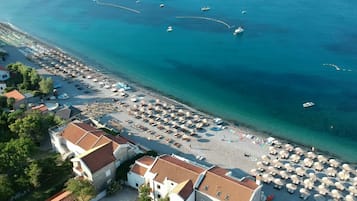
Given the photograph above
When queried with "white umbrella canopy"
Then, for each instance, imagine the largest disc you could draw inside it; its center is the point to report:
(278, 183)
(299, 151)
(350, 198)
(267, 178)
(266, 158)
(271, 170)
(277, 163)
(288, 167)
(339, 186)
(336, 194)
(304, 193)
(327, 181)
(308, 162)
(343, 175)
(331, 171)
(346, 167)
(288, 147)
(334, 163)
(291, 187)
(354, 182)
(322, 189)
(352, 190)
(300, 171)
(295, 179)
(284, 154)
(311, 155)
(254, 172)
(322, 159)
(272, 150)
(283, 174)
(295, 158)
(318, 197)
(312, 176)
(308, 184)
(318, 166)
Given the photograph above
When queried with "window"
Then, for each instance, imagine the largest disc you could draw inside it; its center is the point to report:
(206, 188)
(136, 184)
(219, 193)
(108, 173)
(158, 196)
(172, 184)
(158, 186)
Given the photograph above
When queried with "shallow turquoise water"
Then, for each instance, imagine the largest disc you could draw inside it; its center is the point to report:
(260, 78)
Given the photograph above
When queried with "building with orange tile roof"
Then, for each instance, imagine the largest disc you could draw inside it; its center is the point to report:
(183, 180)
(62, 196)
(41, 108)
(95, 154)
(19, 97)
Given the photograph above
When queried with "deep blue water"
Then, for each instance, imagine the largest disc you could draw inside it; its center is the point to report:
(260, 78)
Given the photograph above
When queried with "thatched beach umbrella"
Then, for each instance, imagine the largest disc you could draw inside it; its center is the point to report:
(311, 155)
(312, 176)
(300, 171)
(304, 193)
(343, 175)
(277, 163)
(295, 179)
(271, 170)
(295, 158)
(318, 166)
(265, 159)
(346, 167)
(331, 171)
(205, 122)
(308, 162)
(299, 151)
(318, 197)
(260, 166)
(283, 174)
(350, 198)
(308, 184)
(352, 190)
(272, 150)
(267, 178)
(284, 154)
(278, 183)
(322, 189)
(291, 187)
(334, 163)
(336, 194)
(339, 186)
(288, 167)
(254, 172)
(288, 147)
(188, 114)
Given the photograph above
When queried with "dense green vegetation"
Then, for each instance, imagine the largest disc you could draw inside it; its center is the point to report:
(144, 193)
(23, 168)
(83, 190)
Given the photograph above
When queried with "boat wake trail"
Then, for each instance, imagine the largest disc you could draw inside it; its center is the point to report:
(116, 6)
(338, 68)
(206, 18)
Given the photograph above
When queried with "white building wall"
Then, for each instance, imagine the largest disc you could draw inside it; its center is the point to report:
(2, 87)
(257, 195)
(134, 179)
(4, 75)
(175, 197)
(74, 148)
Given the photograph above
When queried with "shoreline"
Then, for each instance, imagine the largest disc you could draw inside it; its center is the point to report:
(249, 129)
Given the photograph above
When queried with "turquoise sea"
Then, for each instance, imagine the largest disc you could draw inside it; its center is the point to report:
(260, 78)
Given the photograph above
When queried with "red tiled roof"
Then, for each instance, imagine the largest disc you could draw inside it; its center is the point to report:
(222, 187)
(100, 157)
(62, 196)
(138, 169)
(146, 160)
(41, 108)
(15, 94)
(184, 189)
(175, 170)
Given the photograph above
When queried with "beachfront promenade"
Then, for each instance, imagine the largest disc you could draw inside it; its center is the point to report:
(167, 126)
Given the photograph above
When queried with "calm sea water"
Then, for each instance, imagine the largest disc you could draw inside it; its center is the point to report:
(260, 78)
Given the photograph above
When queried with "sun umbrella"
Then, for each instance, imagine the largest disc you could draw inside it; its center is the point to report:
(311, 155)
(346, 167)
(322, 189)
(295, 179)
(304, 193)
(318, 166)
(188, 114)
(331, 171)
(272, 150)
(300, 171)
(260, 166)
(266, 158)
(312, 176)
(283, 174)
(254, 172)
(288, 147)
(284, 154)
(336, 194)
(355, 181)
(299, 151)
(308, 184)
(291, 187)
(308, 162)
(266, 178)
(353, 190)
(271, 170)
(277, 163)
(318, 197)
(339, 186)
(295, 158)
(334, 163)
(327, 181)
(343, 175)
(349, 198)
(278, 183)
(288, 167)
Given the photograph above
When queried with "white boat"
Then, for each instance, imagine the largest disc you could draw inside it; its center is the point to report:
(162, 5)
(169, 29)
(238, 31)
(205, 8)
(308, 104)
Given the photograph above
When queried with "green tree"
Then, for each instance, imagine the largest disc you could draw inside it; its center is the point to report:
(10, 102)
(46, 85)
(28, 127)
(6, 191)
(13, 116)
(113, 187)
(34, 79)
(34, 172)
(3, 101)
(164, 199)
(83, 190)
(144, 193)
